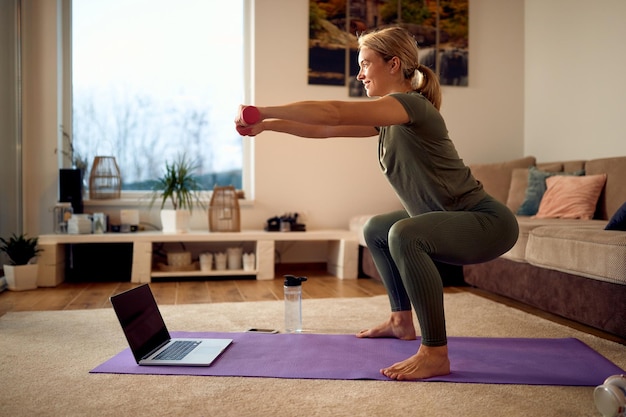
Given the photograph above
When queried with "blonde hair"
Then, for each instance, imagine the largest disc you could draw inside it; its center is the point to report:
(397, 41)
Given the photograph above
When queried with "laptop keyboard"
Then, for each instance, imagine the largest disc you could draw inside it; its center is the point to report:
(177, 350)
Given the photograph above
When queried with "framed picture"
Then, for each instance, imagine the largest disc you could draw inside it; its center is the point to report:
(440, 28)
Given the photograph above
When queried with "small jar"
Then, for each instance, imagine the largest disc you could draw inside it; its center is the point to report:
(62, 213)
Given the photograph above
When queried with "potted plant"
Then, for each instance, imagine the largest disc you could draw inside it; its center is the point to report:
(179, 186)
(21, 273)
(72, 178)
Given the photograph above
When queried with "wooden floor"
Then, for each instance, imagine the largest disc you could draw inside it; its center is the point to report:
(89, 295)
(75, 296)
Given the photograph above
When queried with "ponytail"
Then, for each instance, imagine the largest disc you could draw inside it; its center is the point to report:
(425, 82)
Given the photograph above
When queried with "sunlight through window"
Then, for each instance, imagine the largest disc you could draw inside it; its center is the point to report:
(153, 79)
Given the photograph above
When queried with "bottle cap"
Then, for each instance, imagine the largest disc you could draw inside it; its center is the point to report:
(293, 281)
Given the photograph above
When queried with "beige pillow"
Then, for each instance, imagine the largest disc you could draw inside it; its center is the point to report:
(496, 178)
(517, 190)
(568, 197)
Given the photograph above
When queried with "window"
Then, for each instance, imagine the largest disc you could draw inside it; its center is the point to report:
(154, 79)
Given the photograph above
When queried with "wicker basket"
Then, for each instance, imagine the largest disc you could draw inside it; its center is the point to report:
(105, 181)
(224, 213)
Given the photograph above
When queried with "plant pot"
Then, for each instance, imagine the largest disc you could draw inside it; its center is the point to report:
(175, 221)
(21, 277)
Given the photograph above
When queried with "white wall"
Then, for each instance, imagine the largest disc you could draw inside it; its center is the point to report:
(328, 181)
(335, 179)
(575, 85)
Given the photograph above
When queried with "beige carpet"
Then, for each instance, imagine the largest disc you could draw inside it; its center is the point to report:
(45, 358)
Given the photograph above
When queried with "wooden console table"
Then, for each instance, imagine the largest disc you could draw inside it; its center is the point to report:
(342, 254)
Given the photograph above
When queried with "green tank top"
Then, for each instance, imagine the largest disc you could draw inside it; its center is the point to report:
(422, 164)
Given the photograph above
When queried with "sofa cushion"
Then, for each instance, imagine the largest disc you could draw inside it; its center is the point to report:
(527, 224)
(496, 178)
(517, 189)
(614, 192)
(569, 166)
(618, 220)
(550, 166)
(569, 197)
(586, 250)
(536, 188)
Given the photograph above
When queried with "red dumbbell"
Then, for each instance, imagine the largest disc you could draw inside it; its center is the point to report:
(250, 115)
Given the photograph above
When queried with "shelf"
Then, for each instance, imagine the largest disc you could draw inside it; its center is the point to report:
(342, 253)
(198, 236)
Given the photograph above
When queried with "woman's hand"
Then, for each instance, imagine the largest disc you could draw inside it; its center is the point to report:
(250, 130)
(248, 121)
(248, 115)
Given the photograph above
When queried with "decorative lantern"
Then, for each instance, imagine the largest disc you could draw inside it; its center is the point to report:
(105, 181)
(224, 213)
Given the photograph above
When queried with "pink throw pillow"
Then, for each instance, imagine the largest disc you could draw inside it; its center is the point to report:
(568, 197)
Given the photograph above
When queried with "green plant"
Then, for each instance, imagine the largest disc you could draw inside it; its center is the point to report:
(20, 249)
(76, 159)
(178, 185)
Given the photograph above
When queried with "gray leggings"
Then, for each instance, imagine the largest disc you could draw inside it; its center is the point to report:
(405, 251)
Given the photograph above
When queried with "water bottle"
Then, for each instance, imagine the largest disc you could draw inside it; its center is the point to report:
(293, 303)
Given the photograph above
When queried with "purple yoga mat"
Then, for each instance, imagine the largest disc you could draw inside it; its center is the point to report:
(324, 356)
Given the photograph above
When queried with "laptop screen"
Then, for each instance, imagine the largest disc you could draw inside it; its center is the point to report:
(141, 320)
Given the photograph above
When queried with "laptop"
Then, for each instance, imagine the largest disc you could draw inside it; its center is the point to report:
(149, 339)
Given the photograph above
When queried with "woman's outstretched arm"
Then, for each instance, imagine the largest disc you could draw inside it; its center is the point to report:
(311, 131)
(384, 111)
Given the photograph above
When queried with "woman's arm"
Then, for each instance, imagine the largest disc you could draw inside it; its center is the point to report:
(312, 131)
(384, 111)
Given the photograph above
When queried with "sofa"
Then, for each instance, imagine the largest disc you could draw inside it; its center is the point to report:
(564, 261)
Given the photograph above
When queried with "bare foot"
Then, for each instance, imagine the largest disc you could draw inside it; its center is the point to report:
(426, 363)
(399, 325)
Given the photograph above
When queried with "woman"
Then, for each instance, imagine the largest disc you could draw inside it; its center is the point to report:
(448, 217)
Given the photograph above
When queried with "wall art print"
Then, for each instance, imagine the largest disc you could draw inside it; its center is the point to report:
(440, 28)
